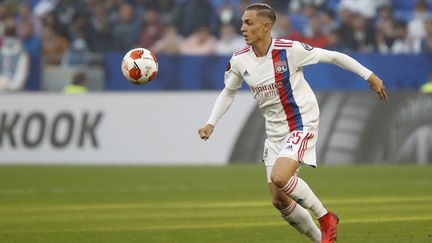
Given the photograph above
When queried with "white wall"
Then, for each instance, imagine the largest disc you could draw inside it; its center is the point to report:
(118, 128)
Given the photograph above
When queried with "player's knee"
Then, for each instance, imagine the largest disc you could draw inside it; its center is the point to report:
(280, 180)
(278, 204)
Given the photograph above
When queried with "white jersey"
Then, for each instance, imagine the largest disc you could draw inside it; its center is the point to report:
(285, 99)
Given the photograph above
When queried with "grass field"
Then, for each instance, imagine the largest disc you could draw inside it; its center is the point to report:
(205, 204)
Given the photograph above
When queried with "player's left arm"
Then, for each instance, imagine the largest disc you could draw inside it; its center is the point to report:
(348, 63)
(306, 55)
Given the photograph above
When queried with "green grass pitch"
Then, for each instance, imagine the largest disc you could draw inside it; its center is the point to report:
(205, 204)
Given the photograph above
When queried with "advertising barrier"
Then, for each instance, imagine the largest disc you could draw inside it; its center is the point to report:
(160, 128)
(120, 128)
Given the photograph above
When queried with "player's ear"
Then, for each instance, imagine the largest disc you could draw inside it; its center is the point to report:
(267, 26)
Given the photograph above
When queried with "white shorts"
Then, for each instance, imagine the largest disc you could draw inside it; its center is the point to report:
(300, 146)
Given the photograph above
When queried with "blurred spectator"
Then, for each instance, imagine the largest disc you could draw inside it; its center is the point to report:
(78, 84)
(53, 46)
(194, 13)
(151, 30)
(226, 13)
(402, 44)
(300, 19)
(416, 27)
(169, 11)
(50, 20)
(334, 42)
(200, 42)
(102, 37)
(113, 25)
(362, 37)
(43, 7)
(345, 24)
(24, 13)
(146, 4)
(14, 60)
(242, 5)
(282, 27)
(281, 6)
(170, 42)
(3, 16)
(66, 11)
(314, 36)
(366, 8)
(78, 53)
(229, 41)
(32, 44)
(427, 87)
(328, 21)
(384, 29)
(40, 10)
(426, 45)
(127, 27)
(296, 5)
(80, 28)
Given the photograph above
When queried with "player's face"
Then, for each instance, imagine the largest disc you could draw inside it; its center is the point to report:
(254, 27)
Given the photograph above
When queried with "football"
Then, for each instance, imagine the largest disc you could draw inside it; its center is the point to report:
(139, 66)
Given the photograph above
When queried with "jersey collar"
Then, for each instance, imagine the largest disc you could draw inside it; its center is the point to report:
(268, 49)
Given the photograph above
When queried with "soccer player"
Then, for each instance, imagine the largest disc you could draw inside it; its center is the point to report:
(273, 70)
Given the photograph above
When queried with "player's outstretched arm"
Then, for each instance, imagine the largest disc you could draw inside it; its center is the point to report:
(346, 62)
(377, 85)
(222, 104)
(206, 131)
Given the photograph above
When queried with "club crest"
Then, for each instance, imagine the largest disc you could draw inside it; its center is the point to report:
(281, 66)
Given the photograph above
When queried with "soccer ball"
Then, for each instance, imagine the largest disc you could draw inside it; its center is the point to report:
(139, 66)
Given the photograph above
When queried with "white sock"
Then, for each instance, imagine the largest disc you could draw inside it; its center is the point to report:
(301, 220)
(299, 191)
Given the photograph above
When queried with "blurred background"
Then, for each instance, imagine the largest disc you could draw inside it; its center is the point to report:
(51, 49)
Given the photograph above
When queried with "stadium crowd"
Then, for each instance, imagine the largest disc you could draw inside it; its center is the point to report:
(79, 32)
(67, 28)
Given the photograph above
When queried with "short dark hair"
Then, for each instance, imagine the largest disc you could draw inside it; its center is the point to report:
(263, 10)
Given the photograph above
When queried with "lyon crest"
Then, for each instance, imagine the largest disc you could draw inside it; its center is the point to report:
(281, 66)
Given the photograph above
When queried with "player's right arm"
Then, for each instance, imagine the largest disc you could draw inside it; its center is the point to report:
(233, 81)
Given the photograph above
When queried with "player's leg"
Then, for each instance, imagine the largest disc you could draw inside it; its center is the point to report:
(285, 180)
(300, 147)
(298, 217)
(283, 176)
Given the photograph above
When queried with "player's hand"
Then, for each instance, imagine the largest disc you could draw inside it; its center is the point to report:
(377, 85)
(206, 131)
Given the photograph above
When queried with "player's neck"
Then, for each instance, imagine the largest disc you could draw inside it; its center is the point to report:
(261, 48)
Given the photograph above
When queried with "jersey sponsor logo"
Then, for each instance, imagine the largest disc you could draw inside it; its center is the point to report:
(281, 66)
(266, 91)
(306, 46)
(267, 87)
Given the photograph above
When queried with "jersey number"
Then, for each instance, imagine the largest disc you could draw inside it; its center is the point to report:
(295, 137)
